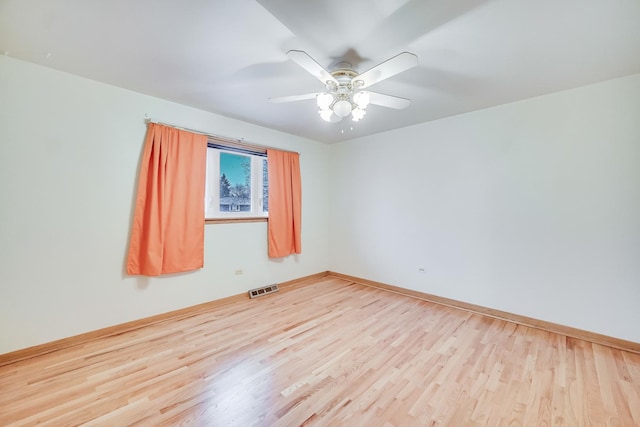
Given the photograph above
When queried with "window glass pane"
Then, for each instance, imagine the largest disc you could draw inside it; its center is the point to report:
(235, 183)
(265, 186)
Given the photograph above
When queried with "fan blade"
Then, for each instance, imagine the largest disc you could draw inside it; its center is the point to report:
(291, 98)
(406, 24)
(308, 63)
(388, 68)
(389, 100)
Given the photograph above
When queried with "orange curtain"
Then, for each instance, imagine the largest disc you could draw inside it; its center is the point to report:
(167, 235)
(285, 203)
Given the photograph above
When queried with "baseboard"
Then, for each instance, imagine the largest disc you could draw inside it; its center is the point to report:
(503, 315)
(26, 353)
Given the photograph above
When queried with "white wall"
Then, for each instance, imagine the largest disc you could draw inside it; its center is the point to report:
(69, 153)
(532, 208)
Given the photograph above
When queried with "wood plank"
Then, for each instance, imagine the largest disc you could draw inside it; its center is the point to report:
(80, 339)
(329, 352)
(503, 315)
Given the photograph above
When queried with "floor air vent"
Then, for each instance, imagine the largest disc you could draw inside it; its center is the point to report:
(253, 293)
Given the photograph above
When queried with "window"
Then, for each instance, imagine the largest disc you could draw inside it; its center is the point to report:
(237, 183)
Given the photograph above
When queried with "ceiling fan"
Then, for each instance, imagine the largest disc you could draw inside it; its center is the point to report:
(344, 94)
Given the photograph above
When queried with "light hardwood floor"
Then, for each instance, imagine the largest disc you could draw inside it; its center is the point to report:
(329, 353)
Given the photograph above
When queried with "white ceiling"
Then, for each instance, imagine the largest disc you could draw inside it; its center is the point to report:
(228, 56)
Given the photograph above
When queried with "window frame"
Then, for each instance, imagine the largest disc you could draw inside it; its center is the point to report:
(212, 213)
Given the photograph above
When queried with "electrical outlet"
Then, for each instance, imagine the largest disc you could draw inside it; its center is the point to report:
(238, 272)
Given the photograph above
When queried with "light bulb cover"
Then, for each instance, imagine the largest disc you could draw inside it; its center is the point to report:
(358, 113)
(325, 115)
(362, 99)
(324, 100)
(342, 108)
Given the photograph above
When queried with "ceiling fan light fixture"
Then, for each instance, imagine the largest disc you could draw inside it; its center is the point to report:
(342, 108)
(324, 100)
(343, 94)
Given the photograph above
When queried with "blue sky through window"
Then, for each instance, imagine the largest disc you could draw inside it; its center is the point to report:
(231, 166)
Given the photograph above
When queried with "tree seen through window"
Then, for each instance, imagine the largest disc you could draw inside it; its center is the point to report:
(235, 183)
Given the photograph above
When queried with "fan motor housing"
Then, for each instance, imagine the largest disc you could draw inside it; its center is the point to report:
(345, 77)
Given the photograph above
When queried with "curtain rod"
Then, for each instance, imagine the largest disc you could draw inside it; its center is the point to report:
(232, 141)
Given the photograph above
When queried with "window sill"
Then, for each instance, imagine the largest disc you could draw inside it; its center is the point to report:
(234, 220)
